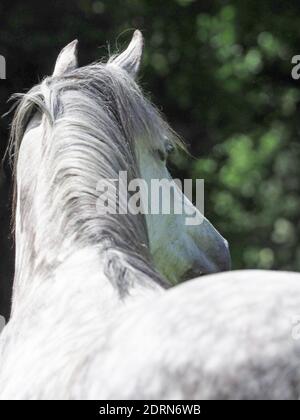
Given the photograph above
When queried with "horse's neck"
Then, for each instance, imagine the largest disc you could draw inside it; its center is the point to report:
(86, 274)
(57, 217)
(77, 294)
(78, 284)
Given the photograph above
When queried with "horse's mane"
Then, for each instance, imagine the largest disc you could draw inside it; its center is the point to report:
(95, 114)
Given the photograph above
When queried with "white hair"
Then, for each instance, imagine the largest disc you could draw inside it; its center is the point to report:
(93, 116)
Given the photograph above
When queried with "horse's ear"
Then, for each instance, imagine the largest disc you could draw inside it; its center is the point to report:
(67, 59)
(130, 59)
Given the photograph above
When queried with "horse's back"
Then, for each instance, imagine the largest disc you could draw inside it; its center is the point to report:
(227, 335)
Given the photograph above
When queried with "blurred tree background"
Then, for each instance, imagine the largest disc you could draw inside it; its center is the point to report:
(220, 71)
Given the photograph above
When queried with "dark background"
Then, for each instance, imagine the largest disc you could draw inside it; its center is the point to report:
(220, 71)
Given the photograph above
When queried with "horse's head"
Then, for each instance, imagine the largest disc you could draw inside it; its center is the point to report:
(120, 126)
(180, 250)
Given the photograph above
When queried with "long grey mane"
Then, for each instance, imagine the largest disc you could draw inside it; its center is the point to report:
(92, 118)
